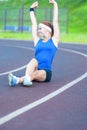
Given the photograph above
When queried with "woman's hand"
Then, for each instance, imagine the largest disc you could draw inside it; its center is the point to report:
(52, 1)
(34, 5)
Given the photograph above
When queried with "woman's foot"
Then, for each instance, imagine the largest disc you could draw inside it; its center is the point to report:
(27, 81)
(13, 80)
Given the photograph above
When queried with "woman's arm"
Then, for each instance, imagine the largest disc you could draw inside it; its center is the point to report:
(56, 36)
(34, 22)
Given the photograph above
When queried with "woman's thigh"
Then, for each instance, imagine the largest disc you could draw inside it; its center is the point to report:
(39, 75)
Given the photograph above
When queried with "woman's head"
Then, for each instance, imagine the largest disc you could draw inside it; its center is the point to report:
(45, 28)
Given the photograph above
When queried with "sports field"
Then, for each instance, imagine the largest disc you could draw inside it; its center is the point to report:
(60, 104)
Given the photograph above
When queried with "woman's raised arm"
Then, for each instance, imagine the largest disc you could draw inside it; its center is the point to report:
(56, 36)
(34, 22)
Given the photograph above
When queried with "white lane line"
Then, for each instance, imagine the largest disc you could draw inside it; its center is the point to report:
(20, 68)
(13, 39)
(76, 52)
(15, 70)
(21, 47)
(28, 107)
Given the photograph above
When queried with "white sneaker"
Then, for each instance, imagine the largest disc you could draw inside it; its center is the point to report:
(27, 81)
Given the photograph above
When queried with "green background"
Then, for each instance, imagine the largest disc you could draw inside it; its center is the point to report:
(77, 18)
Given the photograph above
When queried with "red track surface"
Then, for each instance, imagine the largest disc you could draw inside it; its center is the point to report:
(65, 111)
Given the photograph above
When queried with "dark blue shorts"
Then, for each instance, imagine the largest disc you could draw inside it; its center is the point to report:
(48, 75)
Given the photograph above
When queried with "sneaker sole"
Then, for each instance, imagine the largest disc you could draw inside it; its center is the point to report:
(27, 85)
(9, 79)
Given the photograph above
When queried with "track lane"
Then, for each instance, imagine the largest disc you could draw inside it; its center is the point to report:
(57, 81)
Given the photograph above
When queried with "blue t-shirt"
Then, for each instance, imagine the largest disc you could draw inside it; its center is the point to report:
(44, 53)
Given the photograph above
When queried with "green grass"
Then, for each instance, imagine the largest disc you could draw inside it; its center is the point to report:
(70, 37)
(78, 19)
(16, 35)
(74, 38)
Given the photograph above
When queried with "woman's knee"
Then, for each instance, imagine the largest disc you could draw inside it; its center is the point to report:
(33, 62)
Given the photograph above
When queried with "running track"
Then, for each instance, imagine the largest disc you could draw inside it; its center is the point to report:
(58, 105)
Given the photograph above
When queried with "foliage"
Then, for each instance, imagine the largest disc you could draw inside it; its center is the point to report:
(77, 11)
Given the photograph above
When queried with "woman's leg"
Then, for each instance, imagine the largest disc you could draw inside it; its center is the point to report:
(39, 75)
(31, 68)
(31, 74)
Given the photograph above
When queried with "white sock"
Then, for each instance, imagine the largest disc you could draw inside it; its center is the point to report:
(17, 80)
(28, 77)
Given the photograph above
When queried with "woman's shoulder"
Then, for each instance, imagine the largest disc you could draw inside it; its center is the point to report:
(39, 41)
(54, 42)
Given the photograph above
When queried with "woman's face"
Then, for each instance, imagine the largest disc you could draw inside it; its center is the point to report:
(42, 32)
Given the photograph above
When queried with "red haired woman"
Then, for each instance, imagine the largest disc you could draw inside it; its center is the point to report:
(46, 39)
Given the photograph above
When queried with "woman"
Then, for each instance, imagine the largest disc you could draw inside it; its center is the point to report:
(46, 40)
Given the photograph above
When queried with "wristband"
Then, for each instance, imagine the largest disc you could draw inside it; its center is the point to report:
(31, 9)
